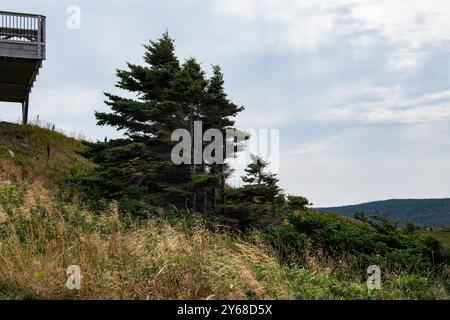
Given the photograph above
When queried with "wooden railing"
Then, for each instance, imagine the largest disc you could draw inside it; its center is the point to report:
(23, 28)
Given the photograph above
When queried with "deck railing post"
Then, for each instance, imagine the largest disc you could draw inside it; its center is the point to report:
(25, 109)
(43, 37)
(39, 36)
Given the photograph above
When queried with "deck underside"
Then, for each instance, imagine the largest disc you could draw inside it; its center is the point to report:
(16, 78)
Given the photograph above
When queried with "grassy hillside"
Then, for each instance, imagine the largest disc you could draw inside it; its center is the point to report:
(30, 153)
(424, 212)
(170, 254)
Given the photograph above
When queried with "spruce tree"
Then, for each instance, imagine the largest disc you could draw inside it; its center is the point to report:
(219, 114)
(169, 96)
(255, 171)
(139, 165)
(261, 186)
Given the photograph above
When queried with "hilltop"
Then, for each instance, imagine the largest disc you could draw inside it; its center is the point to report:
(46, 226)
(30, 153)
(423, 212)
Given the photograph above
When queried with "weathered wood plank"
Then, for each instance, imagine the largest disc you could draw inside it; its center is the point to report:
(17, 49)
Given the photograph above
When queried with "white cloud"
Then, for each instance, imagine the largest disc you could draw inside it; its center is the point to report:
(257, 119)
(411, 23)
(327, 144)
(67, 101)
(71, 108)
(364, 103)
(414, 23)
(65, 104)
(412, 27)
(283, 25)
(405, 62)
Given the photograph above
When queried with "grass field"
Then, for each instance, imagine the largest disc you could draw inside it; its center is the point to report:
(123, 257)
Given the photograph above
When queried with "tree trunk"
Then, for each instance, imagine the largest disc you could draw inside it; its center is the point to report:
(273, 208)
(194, 201)
(214, 200)
(193, 168)
(222, 189)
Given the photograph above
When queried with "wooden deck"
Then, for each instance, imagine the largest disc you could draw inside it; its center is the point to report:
(22, 50)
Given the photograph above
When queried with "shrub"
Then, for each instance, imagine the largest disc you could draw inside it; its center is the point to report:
(297, 202)
(340, 235)
(289, 244)
(418, 287)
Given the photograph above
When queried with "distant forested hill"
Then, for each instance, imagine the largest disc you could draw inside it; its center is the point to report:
(424, 212)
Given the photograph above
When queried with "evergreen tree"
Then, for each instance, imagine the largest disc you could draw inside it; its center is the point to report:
(139, 165)
(261, 186)
(169, 96)
(219, 114)
(273, 190)
(255, 171)
(298, 203)
(190, 89)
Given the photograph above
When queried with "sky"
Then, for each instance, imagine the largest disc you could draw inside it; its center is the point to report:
(358, 89)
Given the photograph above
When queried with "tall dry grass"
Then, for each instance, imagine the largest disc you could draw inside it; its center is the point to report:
(129, 258)
(147, 260)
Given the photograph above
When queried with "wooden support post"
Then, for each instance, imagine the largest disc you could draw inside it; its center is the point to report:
(25, 109)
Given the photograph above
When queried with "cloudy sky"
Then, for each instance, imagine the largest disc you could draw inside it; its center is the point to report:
(359, 89)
